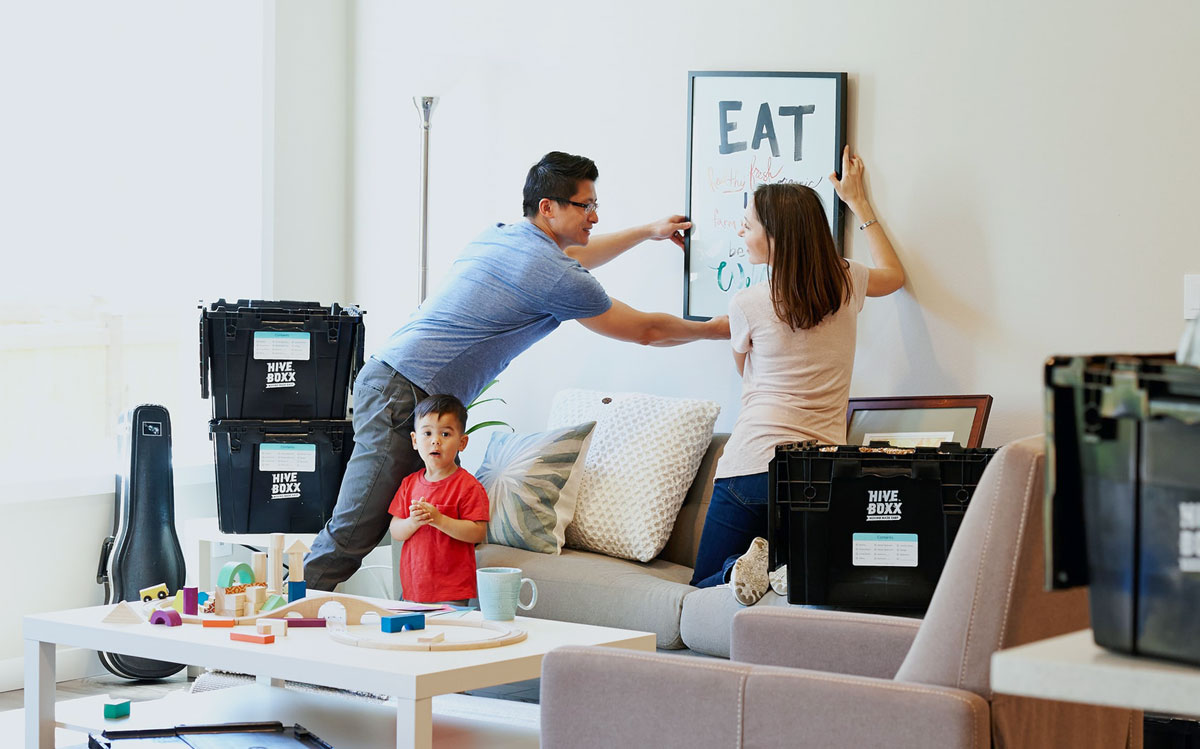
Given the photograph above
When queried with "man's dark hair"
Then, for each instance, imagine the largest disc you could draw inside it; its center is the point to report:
(441, 405)
(556, 176)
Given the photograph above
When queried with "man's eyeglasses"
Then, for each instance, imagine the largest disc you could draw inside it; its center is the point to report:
(591, 207)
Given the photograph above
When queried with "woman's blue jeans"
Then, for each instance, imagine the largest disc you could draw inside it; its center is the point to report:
(737, 513)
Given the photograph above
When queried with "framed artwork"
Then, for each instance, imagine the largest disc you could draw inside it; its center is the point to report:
(747, 129)
(918, 421)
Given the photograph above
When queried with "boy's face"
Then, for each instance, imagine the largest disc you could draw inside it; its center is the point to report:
(438, 440)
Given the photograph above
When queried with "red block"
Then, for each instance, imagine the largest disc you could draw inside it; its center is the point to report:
(220, 622)
(296, 621)
(252, 637)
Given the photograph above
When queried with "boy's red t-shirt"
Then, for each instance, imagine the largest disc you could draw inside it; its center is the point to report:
(434, 566)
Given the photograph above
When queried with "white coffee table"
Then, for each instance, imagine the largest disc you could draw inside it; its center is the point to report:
(307, 655)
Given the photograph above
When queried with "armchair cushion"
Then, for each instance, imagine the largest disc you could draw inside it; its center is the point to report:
(838, 641)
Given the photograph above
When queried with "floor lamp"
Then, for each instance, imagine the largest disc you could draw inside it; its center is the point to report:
(425, 105)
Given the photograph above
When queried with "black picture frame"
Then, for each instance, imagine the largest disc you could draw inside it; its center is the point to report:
(703, 284)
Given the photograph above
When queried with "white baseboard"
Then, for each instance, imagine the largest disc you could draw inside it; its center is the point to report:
(72, 663)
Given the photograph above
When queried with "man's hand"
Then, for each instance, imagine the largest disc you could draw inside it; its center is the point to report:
(720, 326)
(672, 228)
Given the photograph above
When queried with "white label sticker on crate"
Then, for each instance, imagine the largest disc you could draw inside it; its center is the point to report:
(884, 550)
(287, 457)
(1189, 536)
(275, 344)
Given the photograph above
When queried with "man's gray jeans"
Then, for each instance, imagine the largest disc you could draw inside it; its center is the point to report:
(383, 455)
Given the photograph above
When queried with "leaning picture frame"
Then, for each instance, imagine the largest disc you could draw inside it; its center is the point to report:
(918, 421)
(747, 129)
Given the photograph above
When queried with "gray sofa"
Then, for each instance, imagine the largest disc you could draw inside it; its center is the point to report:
(590, 588)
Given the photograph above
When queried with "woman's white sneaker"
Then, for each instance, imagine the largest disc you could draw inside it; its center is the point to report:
(778, 579)
(748, 579)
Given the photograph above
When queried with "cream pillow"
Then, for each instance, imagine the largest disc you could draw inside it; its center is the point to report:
(644, 455)
(532, 481)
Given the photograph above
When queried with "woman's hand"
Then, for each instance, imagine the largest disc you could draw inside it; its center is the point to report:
(850, 187)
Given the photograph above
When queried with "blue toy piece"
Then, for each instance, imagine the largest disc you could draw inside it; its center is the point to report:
(401, 622)
(116, 709)
(296, 591)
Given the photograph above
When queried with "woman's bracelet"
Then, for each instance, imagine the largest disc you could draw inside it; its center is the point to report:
(867, 223)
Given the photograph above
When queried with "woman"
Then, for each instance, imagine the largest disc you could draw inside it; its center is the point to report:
(793, 343)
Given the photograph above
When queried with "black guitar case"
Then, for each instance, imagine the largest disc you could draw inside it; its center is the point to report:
(143, 549)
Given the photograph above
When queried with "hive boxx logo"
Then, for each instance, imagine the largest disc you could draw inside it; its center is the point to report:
(280, 374)
(285, 485)
(883, 504)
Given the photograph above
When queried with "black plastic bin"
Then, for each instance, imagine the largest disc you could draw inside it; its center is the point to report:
(868, 527)
(279, 360)
(1123, 492)
(279, 476)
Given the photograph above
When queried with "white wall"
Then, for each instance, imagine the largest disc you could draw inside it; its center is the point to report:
(1032, 163)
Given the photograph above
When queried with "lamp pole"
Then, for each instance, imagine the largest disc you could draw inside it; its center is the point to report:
(425, 105)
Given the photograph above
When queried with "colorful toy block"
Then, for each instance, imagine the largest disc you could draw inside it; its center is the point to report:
(154, 592)
(300, 621)
(296, 554)
(401, 622)
(124, 613)
(277, 627)
(220, 622)
(251, 637)
(169, 617)
(116, 709)
(201, 598)
(296, 590)
(273, 602)
(240, 570)
(190, 600)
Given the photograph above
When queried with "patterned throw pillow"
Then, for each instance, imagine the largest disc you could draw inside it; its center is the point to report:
(532, 481)
(644, 455)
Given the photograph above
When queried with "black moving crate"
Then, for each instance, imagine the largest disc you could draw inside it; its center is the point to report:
(279, 360)
(1123, 497)
(279, 476)
(868, 527)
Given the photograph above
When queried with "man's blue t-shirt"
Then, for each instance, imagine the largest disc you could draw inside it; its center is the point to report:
(510, 288)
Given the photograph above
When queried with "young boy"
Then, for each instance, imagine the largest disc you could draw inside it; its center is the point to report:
(441, 511)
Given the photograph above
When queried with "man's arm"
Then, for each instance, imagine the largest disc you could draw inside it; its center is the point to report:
(625, 323)
(605, 247)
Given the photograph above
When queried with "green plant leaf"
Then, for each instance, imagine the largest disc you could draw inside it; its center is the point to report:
(481, 392)
(475, 403)
(483, 424)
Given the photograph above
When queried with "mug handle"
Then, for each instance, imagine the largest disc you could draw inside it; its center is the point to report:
(532, 599)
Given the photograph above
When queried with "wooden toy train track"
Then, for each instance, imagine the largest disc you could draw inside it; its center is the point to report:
(504, 634)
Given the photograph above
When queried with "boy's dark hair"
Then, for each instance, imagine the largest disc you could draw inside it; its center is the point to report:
(441, 405)
(556, 177)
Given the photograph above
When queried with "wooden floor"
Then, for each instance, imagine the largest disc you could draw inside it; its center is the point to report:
(138, 691)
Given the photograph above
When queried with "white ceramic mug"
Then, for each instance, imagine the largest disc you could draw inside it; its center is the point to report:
(500, 591)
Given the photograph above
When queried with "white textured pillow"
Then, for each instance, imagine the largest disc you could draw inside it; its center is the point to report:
(644, 455)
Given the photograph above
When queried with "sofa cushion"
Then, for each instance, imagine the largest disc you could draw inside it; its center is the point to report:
(707, 618)
(643, 457)
(589, 588)
(532, 481)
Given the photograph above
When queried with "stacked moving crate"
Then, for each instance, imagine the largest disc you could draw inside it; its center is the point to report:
(279, 375)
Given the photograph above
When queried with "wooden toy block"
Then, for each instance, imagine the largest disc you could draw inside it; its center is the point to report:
(273, 602)
(275, 564)
(191, 600)
(177, 601)
(239, 570)
(251, 637)
(296, 554)
(202, 598)
(169, 617)
(255, 596)
(432, 638)
(116, 709)
(154, 592)
(296, 590)
(258, 563)
(220, 622)
(304, 621)
(124, 613)
(401, 622)
(277, 627)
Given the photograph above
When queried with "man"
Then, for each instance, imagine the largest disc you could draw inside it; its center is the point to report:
(510, 288)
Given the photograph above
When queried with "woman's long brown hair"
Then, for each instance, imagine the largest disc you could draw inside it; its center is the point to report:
(809, 281)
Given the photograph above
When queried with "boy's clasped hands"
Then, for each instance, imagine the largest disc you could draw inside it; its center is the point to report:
(423, 513)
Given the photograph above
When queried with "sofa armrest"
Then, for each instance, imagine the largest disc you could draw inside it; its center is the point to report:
(840, 641)
(606, 697)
